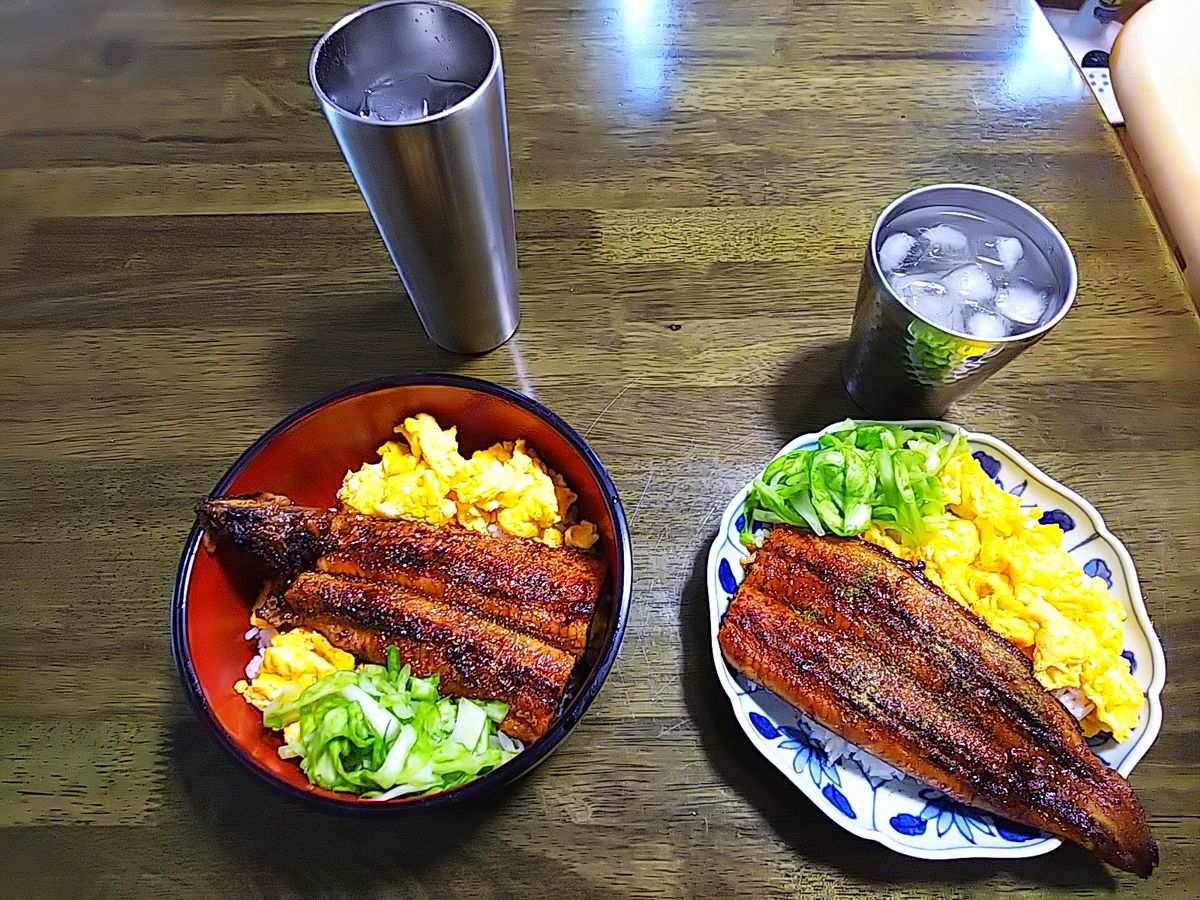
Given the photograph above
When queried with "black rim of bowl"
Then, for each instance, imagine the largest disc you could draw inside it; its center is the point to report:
(524, 762)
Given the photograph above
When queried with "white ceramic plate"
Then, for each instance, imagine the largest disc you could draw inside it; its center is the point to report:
(903, 814)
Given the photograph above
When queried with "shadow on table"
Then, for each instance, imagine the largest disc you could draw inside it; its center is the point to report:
(810, 395)
(794, 819)
(286, 849)
(374, 336)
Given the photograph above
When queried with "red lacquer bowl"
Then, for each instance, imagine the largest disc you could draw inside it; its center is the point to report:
(305, 457)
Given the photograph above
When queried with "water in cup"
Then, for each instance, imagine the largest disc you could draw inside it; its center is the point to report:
(404, 97)
(968, 273)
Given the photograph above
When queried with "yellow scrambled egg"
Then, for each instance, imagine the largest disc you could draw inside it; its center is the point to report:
(504, 488)
(997, 560)
(293, 661)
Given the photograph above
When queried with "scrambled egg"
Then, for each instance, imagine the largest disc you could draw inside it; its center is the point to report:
(504, 488)
(998, 561)
(293, 660)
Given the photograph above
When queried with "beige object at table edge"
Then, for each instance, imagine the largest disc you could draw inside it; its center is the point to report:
(1156, 76)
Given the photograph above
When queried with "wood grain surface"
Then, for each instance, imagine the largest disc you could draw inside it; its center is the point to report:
(184, 259)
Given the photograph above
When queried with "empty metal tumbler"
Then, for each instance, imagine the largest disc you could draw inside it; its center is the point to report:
(901, 364)
(414, 93)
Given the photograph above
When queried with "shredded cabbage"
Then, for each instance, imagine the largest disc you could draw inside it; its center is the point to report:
(859, 474)
(382, 733)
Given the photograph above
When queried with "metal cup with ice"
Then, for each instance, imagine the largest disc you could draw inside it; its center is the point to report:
(943, 307)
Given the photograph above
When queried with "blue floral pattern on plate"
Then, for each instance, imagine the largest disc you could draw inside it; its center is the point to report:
(1098, 568)
(1059, 518)
(810, 758)
(725, 573)
(944, 814)
(902, 813)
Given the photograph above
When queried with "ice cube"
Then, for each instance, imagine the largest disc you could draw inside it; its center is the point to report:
(895, 250)
(1010, 250)
(900, 282)
(1022, 303)
(970, 283)
(987, 326)
(945, 240)
(908, 286)
(929, 300)
(938, 308)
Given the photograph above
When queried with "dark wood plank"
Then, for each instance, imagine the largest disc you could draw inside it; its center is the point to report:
(184, 258)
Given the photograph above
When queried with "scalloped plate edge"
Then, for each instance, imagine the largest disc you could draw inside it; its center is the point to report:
(1137, 603)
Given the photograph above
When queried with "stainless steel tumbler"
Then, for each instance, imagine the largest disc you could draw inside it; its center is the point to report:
(414, 93)
(901, 365)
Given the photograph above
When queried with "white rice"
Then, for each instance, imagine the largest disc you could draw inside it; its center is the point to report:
(1075, 701)
(836, 747)
(263, 637)
(253, 666)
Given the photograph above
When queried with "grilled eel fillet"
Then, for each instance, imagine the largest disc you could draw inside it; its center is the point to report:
(474, 657)
(868, 647)
(542, 591)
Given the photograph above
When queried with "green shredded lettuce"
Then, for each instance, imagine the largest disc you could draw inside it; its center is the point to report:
(378, 731)
(860, 473)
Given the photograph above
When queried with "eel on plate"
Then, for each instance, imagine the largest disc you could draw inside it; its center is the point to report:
(495, 618)
(872, 650)
(546, 592)
(473, 656)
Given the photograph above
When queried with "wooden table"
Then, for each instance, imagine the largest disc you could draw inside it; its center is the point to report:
(185, 259)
